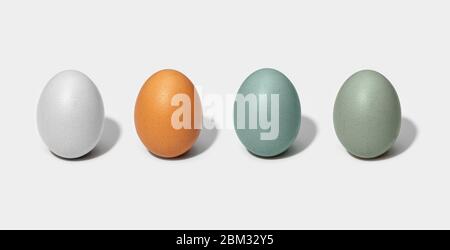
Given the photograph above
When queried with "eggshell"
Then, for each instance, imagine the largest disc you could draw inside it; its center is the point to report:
(367, 114)
(70, 114)
(155, 109)
(263, 84)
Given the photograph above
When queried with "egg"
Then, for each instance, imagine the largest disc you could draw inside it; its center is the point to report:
(267, 113)
(70, 114)
(367, 114)
(168, 114)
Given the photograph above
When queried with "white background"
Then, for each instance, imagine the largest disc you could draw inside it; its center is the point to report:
(217, 44)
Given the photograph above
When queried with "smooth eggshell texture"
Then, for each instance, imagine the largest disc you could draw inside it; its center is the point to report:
(154, 110)
(266, 82)
(367, 114)
(70, 114)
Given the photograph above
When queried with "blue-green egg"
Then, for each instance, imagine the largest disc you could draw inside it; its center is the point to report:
(267, 113)
(367, 114)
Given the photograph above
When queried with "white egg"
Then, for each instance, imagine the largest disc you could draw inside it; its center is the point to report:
(70, 114)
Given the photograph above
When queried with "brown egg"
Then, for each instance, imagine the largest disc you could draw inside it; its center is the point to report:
(168, 114)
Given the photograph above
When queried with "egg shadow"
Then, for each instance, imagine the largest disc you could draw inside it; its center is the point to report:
(406, 138)
(206, 139)
(110, 136)
(307, 134)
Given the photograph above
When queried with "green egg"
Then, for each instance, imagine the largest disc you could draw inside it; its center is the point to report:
(267, 113)
(367, 114)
